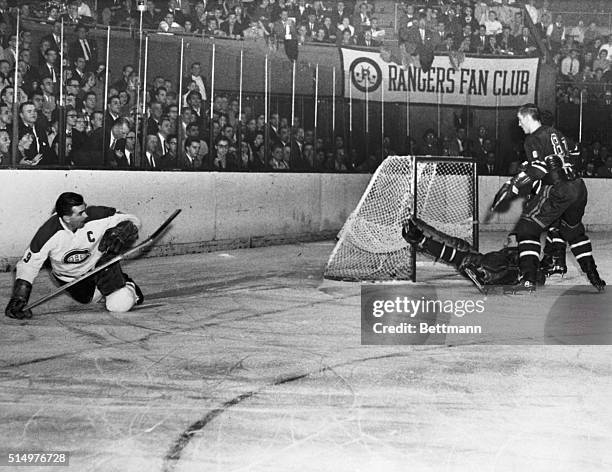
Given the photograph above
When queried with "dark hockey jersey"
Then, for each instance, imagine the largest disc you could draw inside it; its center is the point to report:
(544, 142)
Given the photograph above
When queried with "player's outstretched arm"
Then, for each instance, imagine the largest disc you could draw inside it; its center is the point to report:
(19, 299)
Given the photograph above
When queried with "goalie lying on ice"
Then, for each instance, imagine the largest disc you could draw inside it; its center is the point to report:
(75, 240)
(493, 268)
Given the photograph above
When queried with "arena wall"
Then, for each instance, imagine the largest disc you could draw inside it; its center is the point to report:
(223, 210)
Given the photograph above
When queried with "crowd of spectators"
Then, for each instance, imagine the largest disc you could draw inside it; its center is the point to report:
(176, 132)
(352, 22)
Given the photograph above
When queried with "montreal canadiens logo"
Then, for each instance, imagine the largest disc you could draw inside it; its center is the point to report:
(77, 256)
(366, 76)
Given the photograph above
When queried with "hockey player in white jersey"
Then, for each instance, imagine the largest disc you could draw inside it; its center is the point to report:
(75, 240)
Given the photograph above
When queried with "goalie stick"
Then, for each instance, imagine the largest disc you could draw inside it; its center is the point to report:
(115, 259)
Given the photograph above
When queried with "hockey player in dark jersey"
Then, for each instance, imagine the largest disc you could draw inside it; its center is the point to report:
(76, 239)
(499, 268)
(557, 195)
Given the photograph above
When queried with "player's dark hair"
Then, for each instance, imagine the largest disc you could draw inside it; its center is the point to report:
(65, 202)
(532, 110)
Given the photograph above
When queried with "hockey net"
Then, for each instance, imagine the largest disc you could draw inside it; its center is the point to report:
(370, 246)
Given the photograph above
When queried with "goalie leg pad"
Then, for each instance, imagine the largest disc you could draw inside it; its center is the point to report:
(121, 300)
(528, 234)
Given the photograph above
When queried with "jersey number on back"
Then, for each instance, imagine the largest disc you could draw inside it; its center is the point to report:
(558, 147)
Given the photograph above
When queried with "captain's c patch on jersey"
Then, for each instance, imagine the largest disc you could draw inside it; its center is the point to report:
(76, 256)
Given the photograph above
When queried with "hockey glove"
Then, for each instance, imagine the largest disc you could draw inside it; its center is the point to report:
(507, 192)
(412, 233)
(19, 299)
(116, 239)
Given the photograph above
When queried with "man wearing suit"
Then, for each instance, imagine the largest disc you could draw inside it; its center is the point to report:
(9, 53)
(85, 47)
(113, 110)
(365, 39)
(231, 28)
(149, 161)
(525, 44)
(189, 160)
(54, 37)
(460, 145)
(284, 28)
(106, 147)
(197, 77)
(165, 128)
(417, 37)
(479, 41)
(27, 125)
(49, 68)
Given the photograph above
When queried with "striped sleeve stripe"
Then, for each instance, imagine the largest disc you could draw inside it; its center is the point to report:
(580, 256)
(529, 241)
(558, 240)
(453, 255)
(529, 253)
(581, 243)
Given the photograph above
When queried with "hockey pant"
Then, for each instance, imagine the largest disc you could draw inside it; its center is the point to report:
(564, 201)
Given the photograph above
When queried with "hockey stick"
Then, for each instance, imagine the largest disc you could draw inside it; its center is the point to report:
(117, 258)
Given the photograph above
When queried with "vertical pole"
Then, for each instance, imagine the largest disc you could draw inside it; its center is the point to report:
(144, 102)
(137, 147)
(240, 86)
(212, 94)
(415, 180)
(15, 148)
(179, 137)
(144, 81)
(105, 124)
(580, 121)
(476, 222)
(316, 107)
(61, 121)
(266, 111)
(293, 94)
(497, 157)
(439, 104)
(382, 119)
(408, 120)
(333, 102)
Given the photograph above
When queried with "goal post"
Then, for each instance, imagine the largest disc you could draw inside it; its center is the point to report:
(441, 191)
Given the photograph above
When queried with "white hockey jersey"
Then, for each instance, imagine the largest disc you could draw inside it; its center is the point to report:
(71, 254)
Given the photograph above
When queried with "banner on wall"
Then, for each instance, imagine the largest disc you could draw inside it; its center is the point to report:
(478, 81)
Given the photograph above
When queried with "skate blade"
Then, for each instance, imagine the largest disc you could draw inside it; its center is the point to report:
(475, 281)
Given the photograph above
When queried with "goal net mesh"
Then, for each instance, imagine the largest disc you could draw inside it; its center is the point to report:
(370, 244)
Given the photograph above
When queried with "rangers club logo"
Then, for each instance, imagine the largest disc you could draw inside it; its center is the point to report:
(77, 256)
(366, 75)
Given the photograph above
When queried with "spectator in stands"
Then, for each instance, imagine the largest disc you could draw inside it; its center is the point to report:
(222, 159)
(5, 147)
(37, 150)
(556, 33)
(189, 159)
(430, 145)
(591, 33)
(231, 28)
(169, 25)
(602, 62)
(570, 65)
(506, 41)
(479, 41)
(72, 17)
(578, 31)
(525, 44)
(605, 170)
(84, 47)
(492, 24)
